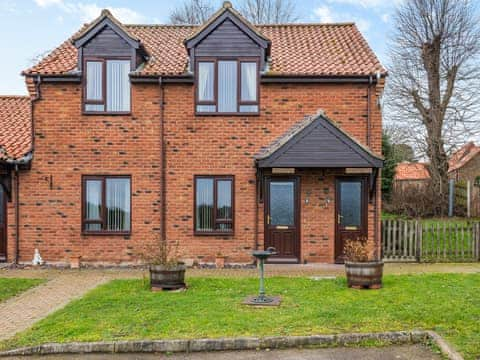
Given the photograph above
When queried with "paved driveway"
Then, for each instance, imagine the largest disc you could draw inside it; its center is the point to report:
(406, 352)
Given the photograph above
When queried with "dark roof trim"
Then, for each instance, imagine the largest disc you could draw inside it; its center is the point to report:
(106, 21)
(187, 79)
(265, 79)
(62, 79)
(268, 159)
(227, 14)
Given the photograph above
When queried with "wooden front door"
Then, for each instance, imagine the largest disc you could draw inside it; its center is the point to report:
(351, 212)
(3, 225)
(282, 218)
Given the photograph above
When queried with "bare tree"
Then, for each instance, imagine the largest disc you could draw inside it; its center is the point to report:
(268, 11)
(192, 12)
(434, 79)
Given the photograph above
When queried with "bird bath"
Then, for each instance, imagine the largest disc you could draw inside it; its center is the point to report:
(262, 299)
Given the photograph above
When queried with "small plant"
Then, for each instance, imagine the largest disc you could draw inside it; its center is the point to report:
(162, 253)
(356, 250)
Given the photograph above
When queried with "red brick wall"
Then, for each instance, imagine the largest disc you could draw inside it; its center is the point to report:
(68, 145)
(227, 147)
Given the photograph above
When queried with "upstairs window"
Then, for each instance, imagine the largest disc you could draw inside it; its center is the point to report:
(227, 86)
(107, 86)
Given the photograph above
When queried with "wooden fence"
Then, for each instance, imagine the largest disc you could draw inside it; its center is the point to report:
(412, 240)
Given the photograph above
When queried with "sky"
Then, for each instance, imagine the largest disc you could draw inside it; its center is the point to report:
(31, 28)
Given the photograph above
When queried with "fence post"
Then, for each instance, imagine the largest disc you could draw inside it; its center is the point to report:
(468, 199)
(418, 251)
(451, 193)
(477, 241)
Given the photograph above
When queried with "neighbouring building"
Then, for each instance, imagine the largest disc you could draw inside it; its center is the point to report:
(408, 174)
(225, 137)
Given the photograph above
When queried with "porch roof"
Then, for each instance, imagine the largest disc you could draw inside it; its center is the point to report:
(317, 142)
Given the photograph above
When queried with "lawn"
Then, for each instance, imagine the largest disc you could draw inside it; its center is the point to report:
(126, 309)
(11, 287)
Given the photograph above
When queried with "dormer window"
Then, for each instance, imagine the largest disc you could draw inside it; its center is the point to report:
(107, 85)
(227, 86)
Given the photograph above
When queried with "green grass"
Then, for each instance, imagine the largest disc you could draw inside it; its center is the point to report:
(126, 309)
(445, 239)
(11, 287)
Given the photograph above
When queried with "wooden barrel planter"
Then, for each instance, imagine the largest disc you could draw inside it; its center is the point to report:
(364, 275)
(167, 277)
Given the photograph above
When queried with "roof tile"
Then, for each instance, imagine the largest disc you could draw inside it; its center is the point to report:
(16, 126)
(463, 155)
(411, 171)
(296, 49)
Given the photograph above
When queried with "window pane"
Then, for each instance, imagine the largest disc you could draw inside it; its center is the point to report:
(224, 227)
(350, 203)
(224, 199)
(93, 198)
(204, 205)
(94, 80)
(282, 203)
(205, 108)
(227, 86)
(94, 107)
(118, 204)
(249, 108)
(205, 81)
(118, 85)
(93, 227)
(249, 81)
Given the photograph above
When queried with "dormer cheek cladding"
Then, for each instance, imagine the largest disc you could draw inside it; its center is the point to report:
(107, 44)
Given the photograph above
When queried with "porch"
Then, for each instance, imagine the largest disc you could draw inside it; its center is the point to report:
(318, 187)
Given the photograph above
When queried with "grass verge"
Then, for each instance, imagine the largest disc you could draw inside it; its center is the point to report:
(11, 287)
(126, 309)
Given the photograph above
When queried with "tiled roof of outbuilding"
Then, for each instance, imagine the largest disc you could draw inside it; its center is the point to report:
(411, 171)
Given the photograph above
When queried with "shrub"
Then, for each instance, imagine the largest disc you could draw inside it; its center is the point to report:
(356, 250)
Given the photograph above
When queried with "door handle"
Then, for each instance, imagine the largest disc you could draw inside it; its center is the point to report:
(268, 219)
(339, 218)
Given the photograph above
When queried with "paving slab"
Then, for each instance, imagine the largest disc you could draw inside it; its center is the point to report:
(404, 352)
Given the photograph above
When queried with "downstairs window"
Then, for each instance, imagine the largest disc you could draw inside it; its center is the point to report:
(106, 204)
(214, 205)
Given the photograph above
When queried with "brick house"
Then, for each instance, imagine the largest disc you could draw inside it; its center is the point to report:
(210, 136)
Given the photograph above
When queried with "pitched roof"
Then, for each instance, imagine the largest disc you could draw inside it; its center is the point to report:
(105, 14)
(463, 155)
(317, 141)
(411, 171)
(296, 50)
(16, 127)
(226, 8)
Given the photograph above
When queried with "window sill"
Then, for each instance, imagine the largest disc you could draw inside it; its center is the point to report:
(213, 233)
(106, 233)
(206, 114)
(104, 113)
